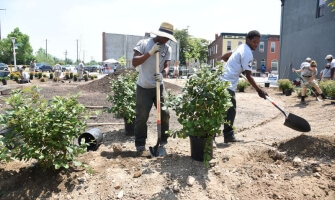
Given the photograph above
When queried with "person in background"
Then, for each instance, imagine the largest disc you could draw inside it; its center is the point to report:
(325, 74)
(263, 69)
(24, 76)
(308, 74)
(306, 62)
(176, 70)
(237, 61)
(331, 63)
(32, 67)
(81, 68)
(145, 60)
(57, 71)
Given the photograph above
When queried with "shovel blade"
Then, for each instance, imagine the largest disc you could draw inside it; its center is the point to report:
(157, 151)
(297, 123)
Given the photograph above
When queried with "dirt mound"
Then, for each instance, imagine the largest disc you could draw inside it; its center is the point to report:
(103, 84)
(308, 146)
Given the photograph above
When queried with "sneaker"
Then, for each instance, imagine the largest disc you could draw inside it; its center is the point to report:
(232, 139)
(140, 149)
(303, 102)
(323, 96)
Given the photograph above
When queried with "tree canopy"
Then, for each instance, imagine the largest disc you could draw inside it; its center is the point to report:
(191, 47)
(23, 49)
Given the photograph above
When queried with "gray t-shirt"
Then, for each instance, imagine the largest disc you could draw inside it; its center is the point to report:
(147, 69)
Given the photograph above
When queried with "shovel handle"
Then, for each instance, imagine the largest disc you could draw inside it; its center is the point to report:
(269, 99)
(277, 106)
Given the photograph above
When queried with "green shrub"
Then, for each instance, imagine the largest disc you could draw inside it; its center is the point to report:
(242, 84)
(298, 91)
(51, 75)
(45, 129)
(328, 88)
(202, 107)
(123, 95)
(285, 84)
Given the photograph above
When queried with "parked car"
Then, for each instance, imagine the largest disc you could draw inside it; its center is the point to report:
(43, 67)
(3, 67)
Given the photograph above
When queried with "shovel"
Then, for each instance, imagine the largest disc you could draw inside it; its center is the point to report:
(158, 151)
(311, 89)
(291, 120)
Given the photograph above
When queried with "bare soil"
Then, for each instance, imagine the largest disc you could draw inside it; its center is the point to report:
(273, 162)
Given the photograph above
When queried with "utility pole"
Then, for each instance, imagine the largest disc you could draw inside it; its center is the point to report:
(65, 56)
(0, 24)
(77, 52)
(46, 48)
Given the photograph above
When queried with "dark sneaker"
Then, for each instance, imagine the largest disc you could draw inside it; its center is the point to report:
(226, 140)
(140, 149)
(323, 96)
(303, 102)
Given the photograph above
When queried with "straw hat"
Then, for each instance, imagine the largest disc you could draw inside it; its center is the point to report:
(165, 30)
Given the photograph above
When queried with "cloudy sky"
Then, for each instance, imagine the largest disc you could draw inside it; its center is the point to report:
(58, 24)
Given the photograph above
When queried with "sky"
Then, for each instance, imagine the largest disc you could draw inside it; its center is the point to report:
(58, 24)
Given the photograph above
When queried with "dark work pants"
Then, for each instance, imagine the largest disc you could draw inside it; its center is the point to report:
(145, 97)
(228, 130)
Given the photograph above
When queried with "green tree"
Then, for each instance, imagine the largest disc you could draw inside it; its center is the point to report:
(182, 37)
(23, 49)
(191, 47)
(41, 57)
(197, 48)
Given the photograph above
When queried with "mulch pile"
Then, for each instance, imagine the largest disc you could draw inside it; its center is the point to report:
(103, 85)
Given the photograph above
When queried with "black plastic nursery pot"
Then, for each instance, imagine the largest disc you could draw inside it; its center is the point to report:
(129, 127)
(198, 147)
(267, 84)
(93, 138)
(288, 92)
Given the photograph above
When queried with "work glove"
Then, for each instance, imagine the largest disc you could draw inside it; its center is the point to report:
(262, 93)
(154, 49)
(158, 77)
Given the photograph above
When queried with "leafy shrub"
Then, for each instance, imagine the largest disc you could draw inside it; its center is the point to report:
(71, 75)
(123, 95)
(242, 84)
(44, 129)
(31, 75)
(298, 91)
(285, 84)
(328, 88)
(202, 107)
(42, 79)
(51, 75)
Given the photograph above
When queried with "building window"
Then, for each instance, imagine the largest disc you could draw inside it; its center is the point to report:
(321, 8)
(274, 66)
(228, 45)
(273, 47)
(261, 47)
(216, 48)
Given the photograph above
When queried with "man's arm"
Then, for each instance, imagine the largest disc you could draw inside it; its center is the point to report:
(139, 58)
(251, 80)
(226, 56)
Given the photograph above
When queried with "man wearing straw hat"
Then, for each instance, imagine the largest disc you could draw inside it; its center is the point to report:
(146, 83)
